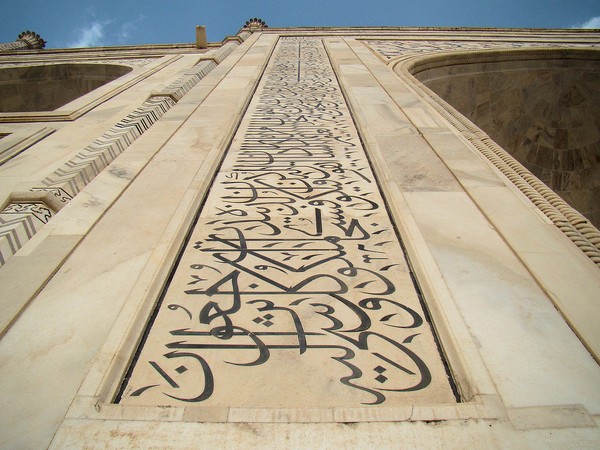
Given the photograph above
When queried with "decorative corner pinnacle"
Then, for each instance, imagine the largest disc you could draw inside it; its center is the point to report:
(32, 39)
(255, 24)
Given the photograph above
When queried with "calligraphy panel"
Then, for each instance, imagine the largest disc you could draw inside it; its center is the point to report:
(293, 290)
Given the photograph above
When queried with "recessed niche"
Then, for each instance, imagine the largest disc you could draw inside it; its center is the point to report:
(544, 111)
(48, 87)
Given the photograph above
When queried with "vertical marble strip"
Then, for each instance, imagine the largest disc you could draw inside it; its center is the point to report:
(293, 290)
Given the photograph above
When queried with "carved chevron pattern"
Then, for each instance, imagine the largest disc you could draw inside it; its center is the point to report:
(86, 165)
(224, 51)
(67, 181)
(189, 79)
(15, 231)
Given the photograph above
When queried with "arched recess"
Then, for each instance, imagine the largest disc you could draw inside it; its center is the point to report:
(541, 106)
(48, 87)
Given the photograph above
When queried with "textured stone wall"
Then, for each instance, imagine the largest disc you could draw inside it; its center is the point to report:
(44, 88)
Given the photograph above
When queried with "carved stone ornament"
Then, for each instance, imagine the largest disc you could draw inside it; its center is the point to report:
(255, 24)
(33, 40)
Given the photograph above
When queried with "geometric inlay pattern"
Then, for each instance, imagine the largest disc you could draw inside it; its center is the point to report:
(18, 223)
(293, 290)
(15, 230)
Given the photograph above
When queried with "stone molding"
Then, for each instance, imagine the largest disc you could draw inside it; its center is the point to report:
(14, 143)
(568, 220)
(131, 62)
(389, 49)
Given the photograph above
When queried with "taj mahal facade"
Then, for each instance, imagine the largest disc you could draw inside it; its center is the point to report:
(302, 238)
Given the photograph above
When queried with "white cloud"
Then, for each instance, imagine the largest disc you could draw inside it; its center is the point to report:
(107, 32)
(129, 28)
(594, 22)
(91, 35)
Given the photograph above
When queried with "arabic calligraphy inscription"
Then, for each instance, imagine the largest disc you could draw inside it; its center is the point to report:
(293, 290)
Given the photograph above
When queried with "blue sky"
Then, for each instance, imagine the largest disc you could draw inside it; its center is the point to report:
(73, 23)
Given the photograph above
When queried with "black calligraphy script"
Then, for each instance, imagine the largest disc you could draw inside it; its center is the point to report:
(294, 283)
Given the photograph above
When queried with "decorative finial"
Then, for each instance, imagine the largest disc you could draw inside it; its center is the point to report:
(33, 40)
(255, 24)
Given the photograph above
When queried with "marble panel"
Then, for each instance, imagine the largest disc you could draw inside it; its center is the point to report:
(532, 355)
(466, 165)
(457, 435)
(413, 165)
(293, 290)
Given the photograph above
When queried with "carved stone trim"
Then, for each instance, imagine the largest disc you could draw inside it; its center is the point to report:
(131, 62)
(15, 230)
(10, 46)
(18, 223)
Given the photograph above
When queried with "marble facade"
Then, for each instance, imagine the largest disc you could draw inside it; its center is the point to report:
(305, 238)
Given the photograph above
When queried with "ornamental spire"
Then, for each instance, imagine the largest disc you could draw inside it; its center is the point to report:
(33, 40)
(255, 24)
(27, 40)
